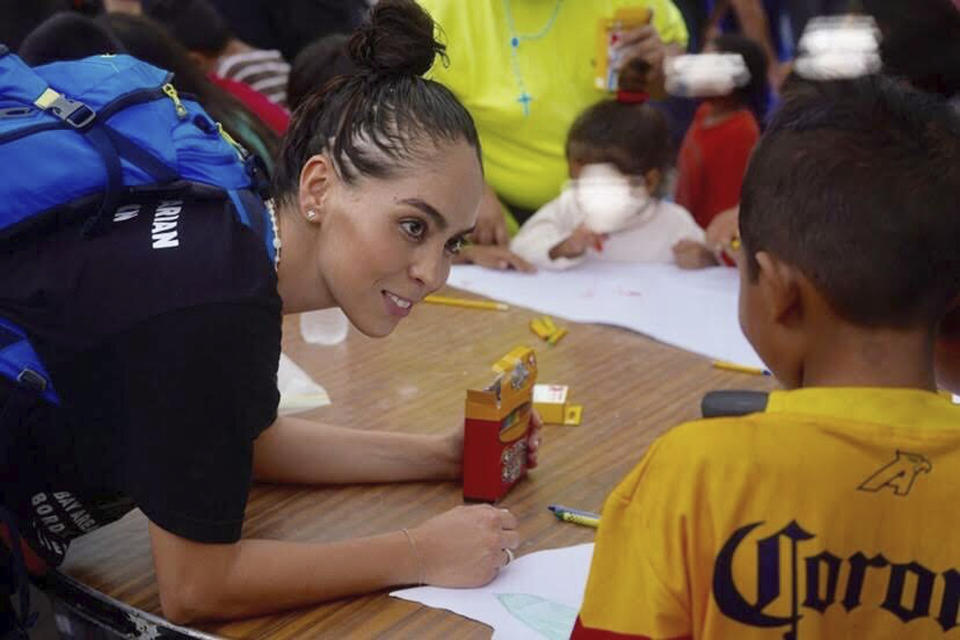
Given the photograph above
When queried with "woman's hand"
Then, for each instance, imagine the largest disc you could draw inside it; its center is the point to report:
(466, 546)
(455, 443)
(533, 440)
(643, 42)
(577, 243)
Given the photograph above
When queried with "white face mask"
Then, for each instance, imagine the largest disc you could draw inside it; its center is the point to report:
(610, 200)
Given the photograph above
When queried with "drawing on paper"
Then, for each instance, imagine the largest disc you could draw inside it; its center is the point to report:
(550, 619)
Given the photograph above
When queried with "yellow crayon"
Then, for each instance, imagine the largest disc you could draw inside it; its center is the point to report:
(556, 335)
(470, 304)
(548, 324)
(539, 327)
(739, 368)
(576, 518)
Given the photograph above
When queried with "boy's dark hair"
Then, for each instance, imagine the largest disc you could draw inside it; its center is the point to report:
(371, 121)
(634, 137)
(196, 24)
(855, 183)
(317, 64)
(67, 36)
(754, 94)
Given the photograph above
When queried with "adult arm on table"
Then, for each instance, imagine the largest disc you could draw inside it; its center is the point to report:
(197, 388)
(462, 547)
(294, 450)
(202, 581)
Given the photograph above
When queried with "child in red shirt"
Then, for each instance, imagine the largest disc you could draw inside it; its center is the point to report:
(714, 153)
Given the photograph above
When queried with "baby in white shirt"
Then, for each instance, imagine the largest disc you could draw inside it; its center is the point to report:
(617, 151)
(605, 215)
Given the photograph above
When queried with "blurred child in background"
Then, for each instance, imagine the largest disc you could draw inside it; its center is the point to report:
(617, 153)
(714, 153)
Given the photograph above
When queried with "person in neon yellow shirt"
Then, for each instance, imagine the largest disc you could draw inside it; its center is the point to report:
(830, 514)
(524, 69)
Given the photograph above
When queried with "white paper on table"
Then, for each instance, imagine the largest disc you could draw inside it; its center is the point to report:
(535, 596)
(693, 310)
(298, 391)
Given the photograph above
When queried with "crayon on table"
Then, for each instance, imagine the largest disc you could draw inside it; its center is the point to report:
(470, 304)
(576, 516)
(739, 368)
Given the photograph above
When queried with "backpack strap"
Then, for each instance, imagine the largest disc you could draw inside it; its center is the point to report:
(19, 362)
(21, 83)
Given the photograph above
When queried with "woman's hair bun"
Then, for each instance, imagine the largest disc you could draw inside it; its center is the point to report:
(397, 40)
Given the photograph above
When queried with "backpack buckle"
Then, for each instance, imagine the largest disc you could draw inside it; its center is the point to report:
(73, 112)
(32, 380)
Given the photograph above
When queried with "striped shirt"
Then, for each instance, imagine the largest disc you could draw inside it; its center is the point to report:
(263, 70)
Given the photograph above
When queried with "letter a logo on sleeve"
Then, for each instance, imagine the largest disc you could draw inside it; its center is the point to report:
(899, 474)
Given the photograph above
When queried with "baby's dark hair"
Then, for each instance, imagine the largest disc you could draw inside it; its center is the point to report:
(632, 136)
(855, 183)
(754, 94)
(371, 121)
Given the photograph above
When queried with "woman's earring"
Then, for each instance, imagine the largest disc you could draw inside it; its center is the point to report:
(311, 214)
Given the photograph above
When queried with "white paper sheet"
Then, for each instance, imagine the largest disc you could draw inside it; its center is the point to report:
(536, 596)
(693, 310)
(298, 391)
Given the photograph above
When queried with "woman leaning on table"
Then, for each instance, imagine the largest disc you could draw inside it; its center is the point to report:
(173, 408)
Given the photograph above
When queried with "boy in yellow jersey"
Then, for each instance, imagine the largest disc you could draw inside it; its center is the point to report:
(833, 513)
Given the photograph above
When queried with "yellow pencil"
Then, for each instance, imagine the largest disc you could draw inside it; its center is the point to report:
(739, 368)
(470, 304)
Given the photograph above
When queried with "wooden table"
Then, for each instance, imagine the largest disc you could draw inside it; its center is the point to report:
(631, 387)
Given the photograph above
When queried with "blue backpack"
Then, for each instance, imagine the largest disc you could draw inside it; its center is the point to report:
(77, 136)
